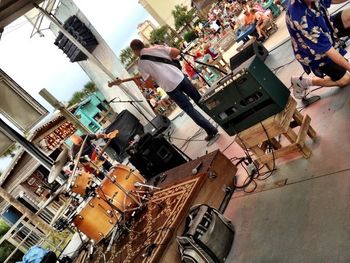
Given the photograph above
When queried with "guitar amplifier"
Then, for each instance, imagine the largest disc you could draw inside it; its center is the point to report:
(208, 236)
(248, 95)
(251, 48)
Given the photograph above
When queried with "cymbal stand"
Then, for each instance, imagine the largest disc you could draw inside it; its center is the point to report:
(71, 179)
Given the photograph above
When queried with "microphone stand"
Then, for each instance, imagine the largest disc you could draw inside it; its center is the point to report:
(202, 63)
(132, 103)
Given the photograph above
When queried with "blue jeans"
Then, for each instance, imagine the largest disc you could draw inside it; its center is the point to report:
(179, 96)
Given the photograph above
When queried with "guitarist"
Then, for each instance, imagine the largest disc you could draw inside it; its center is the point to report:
(89, 149)
(158, 63)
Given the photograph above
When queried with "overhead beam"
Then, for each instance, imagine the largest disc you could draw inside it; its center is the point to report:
(12, 10)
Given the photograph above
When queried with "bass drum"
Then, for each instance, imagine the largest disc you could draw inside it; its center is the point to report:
(95, 218)
(113, 194)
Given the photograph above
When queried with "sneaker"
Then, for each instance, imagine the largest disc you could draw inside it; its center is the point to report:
(299, 87)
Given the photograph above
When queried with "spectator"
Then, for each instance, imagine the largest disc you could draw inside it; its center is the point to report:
(315, 40)
(262, 21)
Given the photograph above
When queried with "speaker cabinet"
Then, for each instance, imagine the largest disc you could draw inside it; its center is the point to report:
(128, 126)
(248, 95)
(158, 125)
(152, 155)
(251, 49)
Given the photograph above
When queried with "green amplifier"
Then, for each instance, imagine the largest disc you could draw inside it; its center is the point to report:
(248, 95)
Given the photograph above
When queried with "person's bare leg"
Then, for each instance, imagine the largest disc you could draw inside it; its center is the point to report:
(327, 82)
(345, 17)
(258, 29)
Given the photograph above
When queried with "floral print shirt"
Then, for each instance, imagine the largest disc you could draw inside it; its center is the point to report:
(312, 33)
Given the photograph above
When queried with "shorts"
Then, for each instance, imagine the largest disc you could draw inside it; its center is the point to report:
(338, 24)
(333, 70)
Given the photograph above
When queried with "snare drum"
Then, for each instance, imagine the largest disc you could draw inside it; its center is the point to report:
(95, 219)
(82, 181)
(110, 191)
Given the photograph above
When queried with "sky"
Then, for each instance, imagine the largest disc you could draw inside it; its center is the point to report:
(36, 63)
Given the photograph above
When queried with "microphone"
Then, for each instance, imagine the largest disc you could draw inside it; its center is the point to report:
(195, 169)
(138, 185)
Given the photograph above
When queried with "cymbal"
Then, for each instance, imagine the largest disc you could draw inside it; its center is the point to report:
(58, 165)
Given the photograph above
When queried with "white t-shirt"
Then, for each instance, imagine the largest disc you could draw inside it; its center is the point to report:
(166, 76)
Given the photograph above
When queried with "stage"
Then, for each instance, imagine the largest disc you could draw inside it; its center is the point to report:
(300, 214)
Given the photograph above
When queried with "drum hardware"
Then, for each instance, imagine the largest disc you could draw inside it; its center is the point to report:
(110, 203)
(127, 193)
(76, 163)
(138, 185)
(114, 233)
(130, 172)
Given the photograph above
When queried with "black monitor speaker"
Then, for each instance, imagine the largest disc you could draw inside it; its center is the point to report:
(152, 155)
(252, 48)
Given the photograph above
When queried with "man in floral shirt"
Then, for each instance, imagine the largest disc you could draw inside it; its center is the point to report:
(315, 41)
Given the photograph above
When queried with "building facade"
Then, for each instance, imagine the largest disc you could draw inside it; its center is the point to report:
(94, 112)
(144, 31)
(26, 179)
(161, 10)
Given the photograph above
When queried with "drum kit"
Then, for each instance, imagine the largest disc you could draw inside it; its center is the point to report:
(97, 207)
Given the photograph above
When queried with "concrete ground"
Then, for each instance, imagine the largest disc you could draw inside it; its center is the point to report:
(301, 213)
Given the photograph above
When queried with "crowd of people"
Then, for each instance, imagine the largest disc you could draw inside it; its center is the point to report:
(235, 15)
(225, 17)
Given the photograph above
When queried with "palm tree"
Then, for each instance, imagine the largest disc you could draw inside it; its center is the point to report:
(78, 96)
(160, 36)
(126, 56)
(182, 17)
(90, 87)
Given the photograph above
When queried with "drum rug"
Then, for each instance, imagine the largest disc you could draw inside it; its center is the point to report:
(149, 235)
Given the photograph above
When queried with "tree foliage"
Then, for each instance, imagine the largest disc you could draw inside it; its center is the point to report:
(160, 35)
(90, 87)
(6, 248)
(189, 36)
(182, 16)
(78, 96)
(126, 56)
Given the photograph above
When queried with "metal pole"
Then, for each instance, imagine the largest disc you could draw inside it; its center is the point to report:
(90, 56)
(66, 113)
(27, 145)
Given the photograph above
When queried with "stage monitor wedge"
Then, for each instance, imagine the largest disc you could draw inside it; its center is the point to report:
(250, 49)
